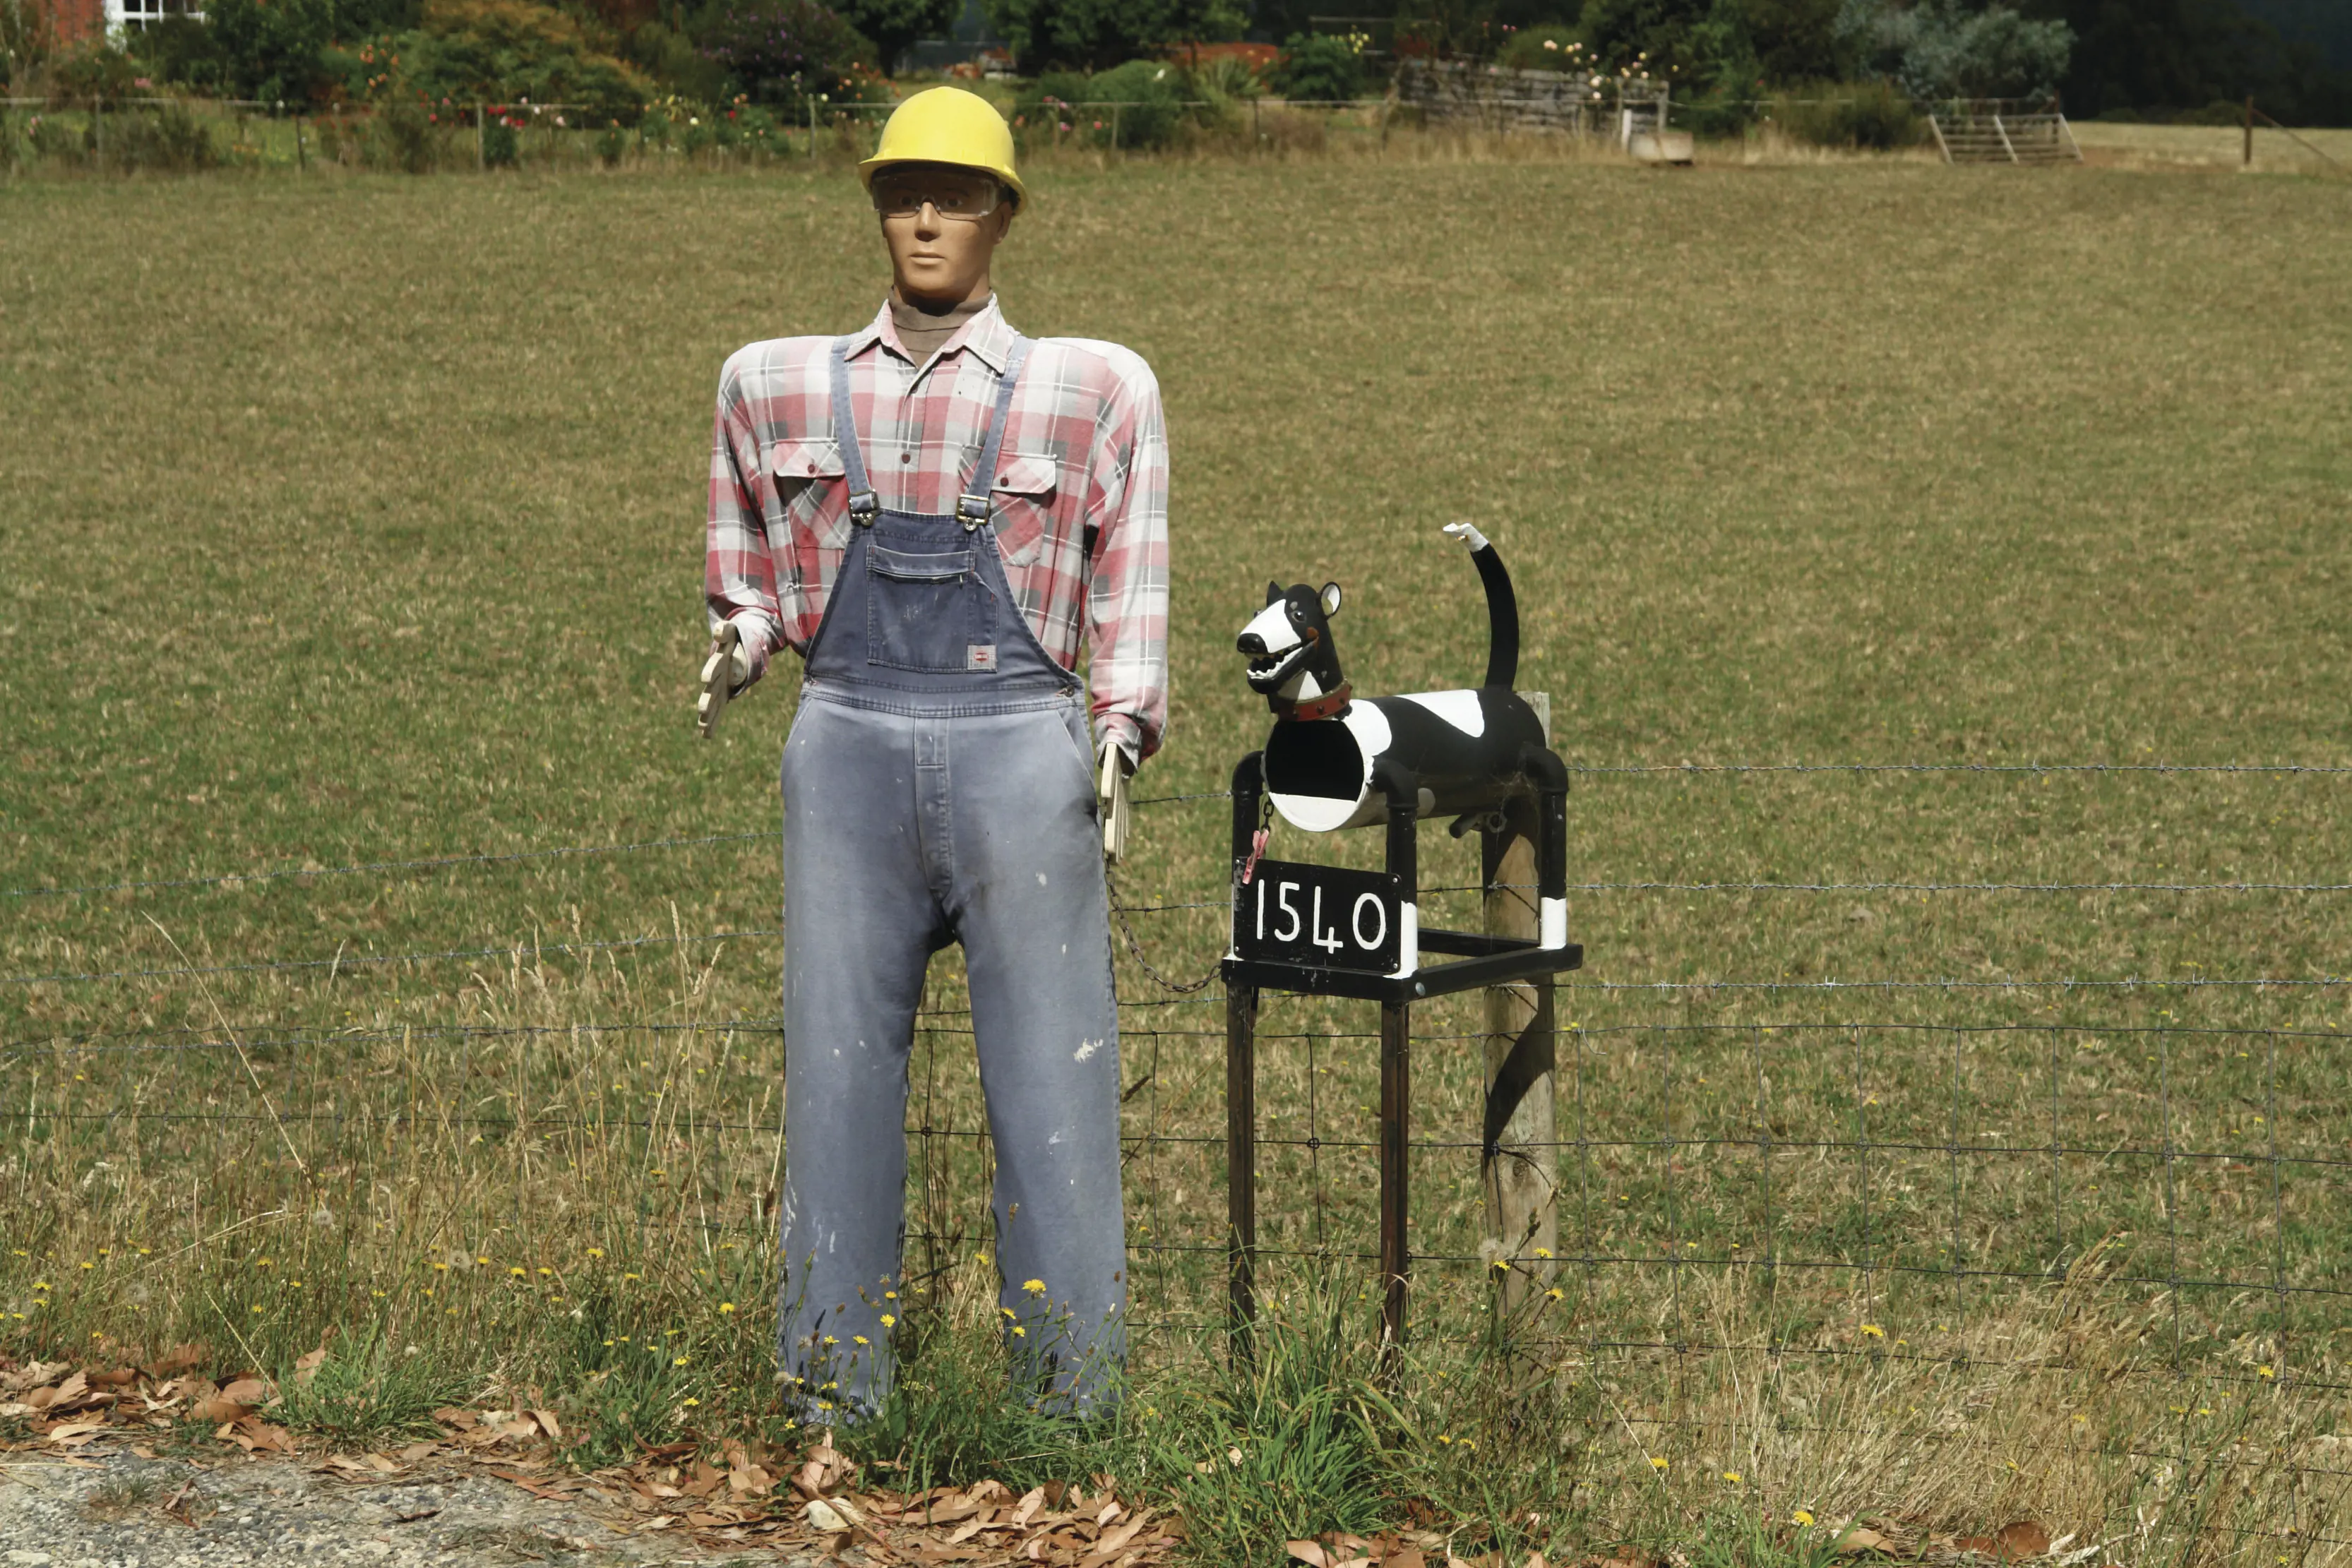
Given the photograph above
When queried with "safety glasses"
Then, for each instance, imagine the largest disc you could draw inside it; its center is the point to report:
(959, 198)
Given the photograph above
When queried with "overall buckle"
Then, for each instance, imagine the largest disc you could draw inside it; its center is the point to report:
(972, 510)
(863, 506)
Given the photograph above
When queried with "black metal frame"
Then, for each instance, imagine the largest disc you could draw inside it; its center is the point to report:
(1481, 960)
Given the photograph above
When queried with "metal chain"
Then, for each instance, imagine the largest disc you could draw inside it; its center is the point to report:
(1118, 911)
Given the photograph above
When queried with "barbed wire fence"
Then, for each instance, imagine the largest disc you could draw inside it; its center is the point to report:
(1960, 1176)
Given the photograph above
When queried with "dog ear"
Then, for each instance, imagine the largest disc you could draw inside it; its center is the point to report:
(1273, 593)
(1330, 599)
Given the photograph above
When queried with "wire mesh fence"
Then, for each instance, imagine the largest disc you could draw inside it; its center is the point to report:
(2026, 1158)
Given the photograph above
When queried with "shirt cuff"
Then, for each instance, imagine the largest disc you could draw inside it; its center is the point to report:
(1120, 730)
(761, 632)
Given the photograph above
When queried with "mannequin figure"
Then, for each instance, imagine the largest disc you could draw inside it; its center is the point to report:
(935, 514)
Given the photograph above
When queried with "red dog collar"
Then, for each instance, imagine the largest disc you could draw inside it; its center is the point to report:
(1325, 707)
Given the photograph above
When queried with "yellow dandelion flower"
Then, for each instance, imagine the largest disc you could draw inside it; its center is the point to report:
(1656, 1463)
(1731, 1475)
(519, 1273)
(595, 1251)
(485, 1263)
(726, 1306)
(830, 1340)
(1443, 1437)
(1802, 1520)
(546, 1273)
(680, 1361)
(626, 1277)
(1018, 1331)
(889, 1321)
(1554, 1293)
(690, 1403)
(2264, 1371)
(859, 1339)
(1873, 1331)
(1034, 1287)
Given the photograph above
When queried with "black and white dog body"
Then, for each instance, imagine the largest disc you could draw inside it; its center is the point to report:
(1469, 750)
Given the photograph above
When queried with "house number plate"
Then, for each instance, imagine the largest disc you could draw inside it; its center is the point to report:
(1318, 917)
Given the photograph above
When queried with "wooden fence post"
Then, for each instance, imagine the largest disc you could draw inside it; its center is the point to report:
(1520, 1173)
(2250, 130)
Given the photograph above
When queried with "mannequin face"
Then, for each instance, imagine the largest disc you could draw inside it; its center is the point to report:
(938, 262)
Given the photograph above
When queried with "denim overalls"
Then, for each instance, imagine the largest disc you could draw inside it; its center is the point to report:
(939, 787)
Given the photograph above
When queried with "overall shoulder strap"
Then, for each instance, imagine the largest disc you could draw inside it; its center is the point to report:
(972, 507)
(863, 506)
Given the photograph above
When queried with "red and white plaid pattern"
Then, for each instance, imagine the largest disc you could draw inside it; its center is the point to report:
(1081, 493)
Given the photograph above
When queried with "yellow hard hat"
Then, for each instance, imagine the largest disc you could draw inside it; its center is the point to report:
(947, 125)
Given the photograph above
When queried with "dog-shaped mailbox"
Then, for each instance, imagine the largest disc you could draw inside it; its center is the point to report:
(1469, 750)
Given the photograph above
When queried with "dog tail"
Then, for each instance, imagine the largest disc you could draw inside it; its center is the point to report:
(1502, 607)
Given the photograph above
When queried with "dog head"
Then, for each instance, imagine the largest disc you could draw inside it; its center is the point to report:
(1292, 661)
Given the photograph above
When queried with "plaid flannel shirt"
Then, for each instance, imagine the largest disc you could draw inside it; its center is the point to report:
(1080, 496)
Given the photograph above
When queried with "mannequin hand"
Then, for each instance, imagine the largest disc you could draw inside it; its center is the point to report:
(726, 671)
(1111, 771)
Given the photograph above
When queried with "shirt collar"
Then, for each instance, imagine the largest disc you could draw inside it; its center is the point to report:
(986, 335)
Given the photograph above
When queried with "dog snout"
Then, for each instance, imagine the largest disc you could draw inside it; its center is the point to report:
(1250, 643)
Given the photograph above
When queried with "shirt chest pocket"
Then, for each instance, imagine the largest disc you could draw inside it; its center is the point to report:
(1021, 496)
(810, 488)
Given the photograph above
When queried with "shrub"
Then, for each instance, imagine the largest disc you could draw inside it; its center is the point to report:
(784, 52)
(166, 137)
(1319, 66)
(509, 51)
(1873, 115)
(499, 146)
(1542, 49)
(401, 136)
(1151, 95)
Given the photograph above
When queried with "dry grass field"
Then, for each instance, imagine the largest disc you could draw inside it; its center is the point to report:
(1944, 1146)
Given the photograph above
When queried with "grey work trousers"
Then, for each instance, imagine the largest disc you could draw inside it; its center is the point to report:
(901, 835)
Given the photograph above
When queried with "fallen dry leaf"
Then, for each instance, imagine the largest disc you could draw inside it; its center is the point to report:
(1860, 1540)
(2020, 1538)
(832, 1517)
(307, 1364)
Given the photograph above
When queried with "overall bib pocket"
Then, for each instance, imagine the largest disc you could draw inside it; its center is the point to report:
(922, 611)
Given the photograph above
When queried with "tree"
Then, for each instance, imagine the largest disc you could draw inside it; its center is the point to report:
(1095, 33)
(781, 51)
(270, 50)
(1942, 48)
(1692, 44)
(895, 24)
(1793, 41)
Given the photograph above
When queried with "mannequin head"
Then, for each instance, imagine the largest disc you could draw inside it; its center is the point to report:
(939, 259)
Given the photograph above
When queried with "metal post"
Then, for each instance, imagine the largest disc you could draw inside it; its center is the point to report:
(1403, 793)
(1240, 1083)
(1256, 135)
(812, 111)
(98, 130)
(301, 159)
(1241, 1160)
(1114, 126)
(1518, 1163)
(2250, 130)
(481, 158)
(1396, 1125)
